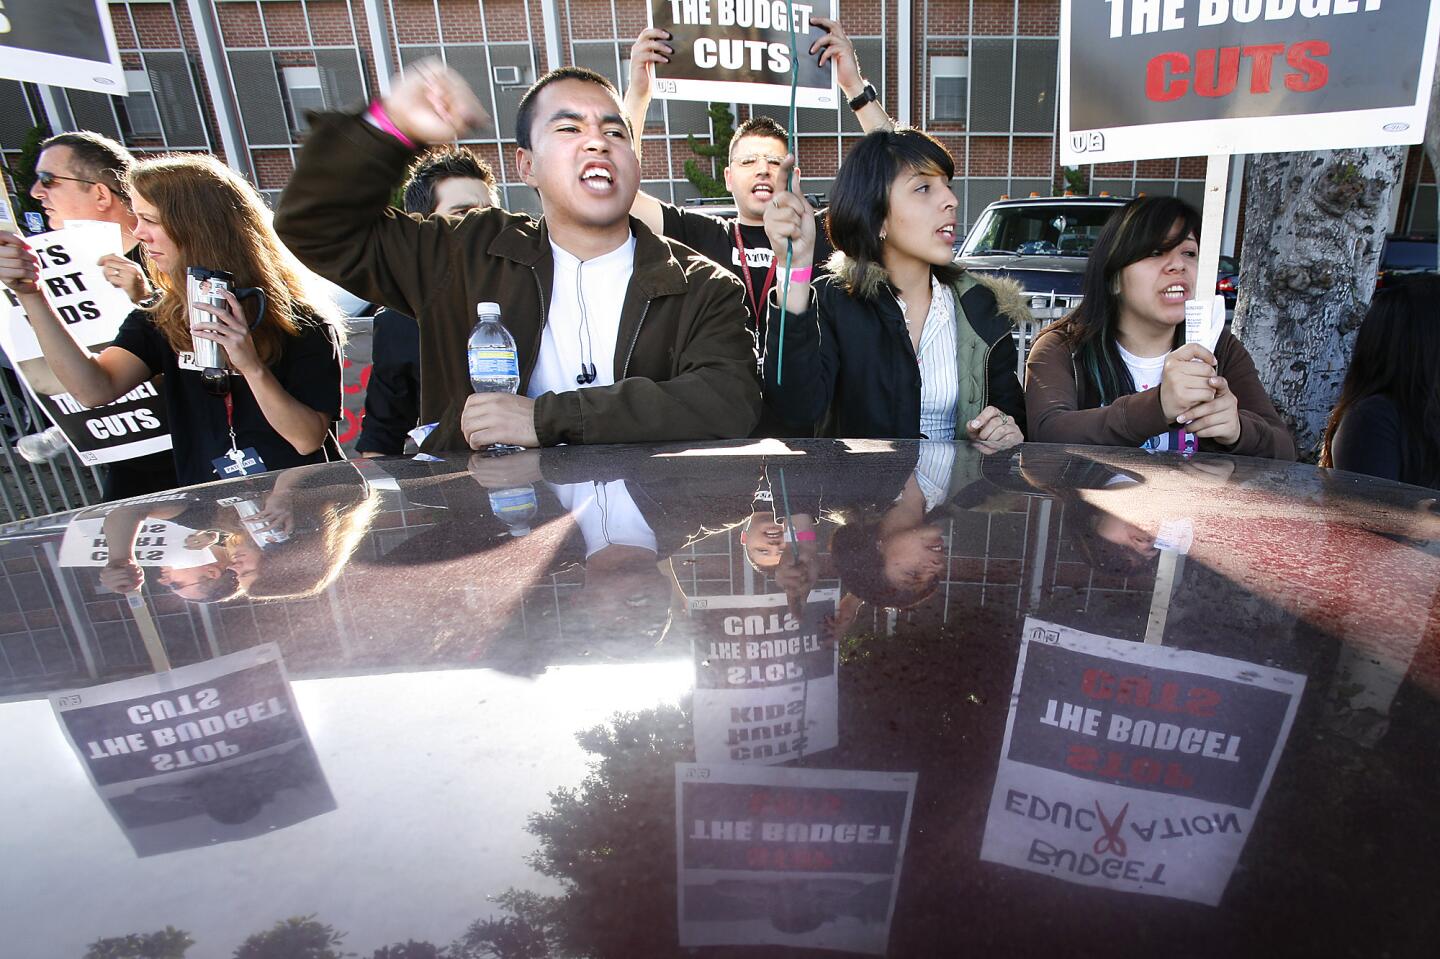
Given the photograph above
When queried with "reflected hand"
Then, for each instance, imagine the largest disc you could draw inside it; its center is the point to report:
(19, 266)
(498, 472)
(202, 539)
(277, 516)
(1209, 469)
(491, 418)
(126, 276)
(122, 576)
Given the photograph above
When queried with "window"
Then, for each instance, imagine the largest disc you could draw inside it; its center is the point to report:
(302, 90)
(949, 85)
(138, 115)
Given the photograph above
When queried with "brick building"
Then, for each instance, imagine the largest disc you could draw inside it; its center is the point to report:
(234, 77)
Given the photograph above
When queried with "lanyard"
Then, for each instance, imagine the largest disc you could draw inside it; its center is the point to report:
(750, 283)
(230, 420)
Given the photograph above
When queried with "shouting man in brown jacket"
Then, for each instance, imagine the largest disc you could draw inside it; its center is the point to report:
(622, 336)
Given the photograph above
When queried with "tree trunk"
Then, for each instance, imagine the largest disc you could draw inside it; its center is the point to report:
(1314, 228)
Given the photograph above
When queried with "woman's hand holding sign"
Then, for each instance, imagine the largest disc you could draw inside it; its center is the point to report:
(790, 219)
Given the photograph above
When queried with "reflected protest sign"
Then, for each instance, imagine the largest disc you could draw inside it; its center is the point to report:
(738, 51)
(63, 43)
(211, 752)
(91, 311)
(1144, 78)
(1135, 767)
(157, 542)
(789, 856)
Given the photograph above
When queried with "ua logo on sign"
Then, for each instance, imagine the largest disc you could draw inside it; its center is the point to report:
(1087, 142)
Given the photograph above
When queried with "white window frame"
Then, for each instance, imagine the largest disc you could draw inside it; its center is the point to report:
(948, 68)
(137, 85)
(301, 78)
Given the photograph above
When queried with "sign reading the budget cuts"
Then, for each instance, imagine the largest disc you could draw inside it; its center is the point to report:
(1157, 78)
(63, 43)
(738, 51)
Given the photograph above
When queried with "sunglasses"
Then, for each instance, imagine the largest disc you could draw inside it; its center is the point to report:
(750, 159)
(47, 179)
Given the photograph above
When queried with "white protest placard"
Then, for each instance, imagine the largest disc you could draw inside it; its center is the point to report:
(1135, 767)
(808, 858)
(211, 752)
(158, 543)
(62, 43)
(91, 311)
(1144, 78)
(738, 51)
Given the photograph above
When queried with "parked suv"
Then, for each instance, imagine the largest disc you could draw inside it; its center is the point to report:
(1405, 255)
(1040, 242)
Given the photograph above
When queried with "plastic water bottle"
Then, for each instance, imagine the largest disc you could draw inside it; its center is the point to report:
(494, 364)
(42, 447)
(516, 507)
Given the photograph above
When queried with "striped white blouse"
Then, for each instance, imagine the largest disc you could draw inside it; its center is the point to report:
(939, 380)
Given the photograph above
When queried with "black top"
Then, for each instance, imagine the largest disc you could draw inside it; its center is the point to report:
(714, 236)
(392, 396)
(308, 368)
(1372, 440)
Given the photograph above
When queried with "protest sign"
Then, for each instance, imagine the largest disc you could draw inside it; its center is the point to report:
(767, 725)
(748, 642)
(63, 43)
(211, 752)
(158, 542)
(738, 51)
(1144, 78)
(1135, 767)
(91, 311)
(788, 856)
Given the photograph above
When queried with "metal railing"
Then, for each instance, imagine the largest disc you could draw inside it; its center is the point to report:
(35, 489)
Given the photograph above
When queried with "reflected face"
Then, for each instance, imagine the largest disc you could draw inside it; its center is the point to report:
(191, 583)
(162, 250)
(581, 160)
(1153, 291)
(764, 541)
(67, 197)
(752, 176)
(920, 223)
(914, 558)
(459, 195)
(246, 559)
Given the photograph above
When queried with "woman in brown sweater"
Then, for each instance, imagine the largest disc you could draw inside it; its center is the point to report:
(1118, 372)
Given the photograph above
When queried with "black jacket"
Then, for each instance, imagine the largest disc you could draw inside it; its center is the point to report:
(848, 360)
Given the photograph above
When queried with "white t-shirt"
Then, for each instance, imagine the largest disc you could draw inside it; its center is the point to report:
(1146, 372)
(582, 321)
(606, 515)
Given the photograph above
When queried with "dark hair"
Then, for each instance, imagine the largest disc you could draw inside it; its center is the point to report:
(855, 550)
(525, 113)
(758, 125)
(98, 157)
(1397, 356)
(437, 165)
(1139, 229)
(860, 199)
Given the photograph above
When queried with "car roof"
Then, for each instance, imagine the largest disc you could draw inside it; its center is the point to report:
(1063, 201)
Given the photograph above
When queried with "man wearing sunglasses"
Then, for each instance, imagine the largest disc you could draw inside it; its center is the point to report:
(81, 176)
(752, 174)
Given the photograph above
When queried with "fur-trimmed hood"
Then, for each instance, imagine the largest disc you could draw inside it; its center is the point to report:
(865, 283)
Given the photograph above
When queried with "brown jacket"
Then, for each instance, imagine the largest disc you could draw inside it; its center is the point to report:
(684, 365)
(1059, 411)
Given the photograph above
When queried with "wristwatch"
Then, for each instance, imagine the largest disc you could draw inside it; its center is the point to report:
(867, 95)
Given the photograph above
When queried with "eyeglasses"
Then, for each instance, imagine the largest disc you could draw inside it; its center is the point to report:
(47, 179)
(750, 159)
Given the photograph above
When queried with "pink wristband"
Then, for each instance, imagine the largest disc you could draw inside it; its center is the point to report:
(383, 121)
(801, 276)
(804, 536)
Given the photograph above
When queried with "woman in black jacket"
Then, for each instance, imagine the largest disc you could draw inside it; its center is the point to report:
(897, 341)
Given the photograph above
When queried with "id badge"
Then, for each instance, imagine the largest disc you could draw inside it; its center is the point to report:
(235, 463)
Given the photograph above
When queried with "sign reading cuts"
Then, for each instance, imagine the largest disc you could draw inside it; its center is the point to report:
(1156, 78)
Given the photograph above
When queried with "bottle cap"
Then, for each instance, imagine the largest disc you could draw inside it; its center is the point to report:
(487, 309)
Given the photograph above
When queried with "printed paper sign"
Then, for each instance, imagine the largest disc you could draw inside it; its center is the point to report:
(784, 856)
(63, 43)
(738, 51)
(206, 753)
(749, 642)
(1135, 767)
(158, 543)
(1143, 78)
(92, 311)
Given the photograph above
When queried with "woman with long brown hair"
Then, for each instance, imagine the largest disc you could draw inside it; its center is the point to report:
(284, 366)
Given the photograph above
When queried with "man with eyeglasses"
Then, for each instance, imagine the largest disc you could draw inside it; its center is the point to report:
(81, 176)
(752, 174)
